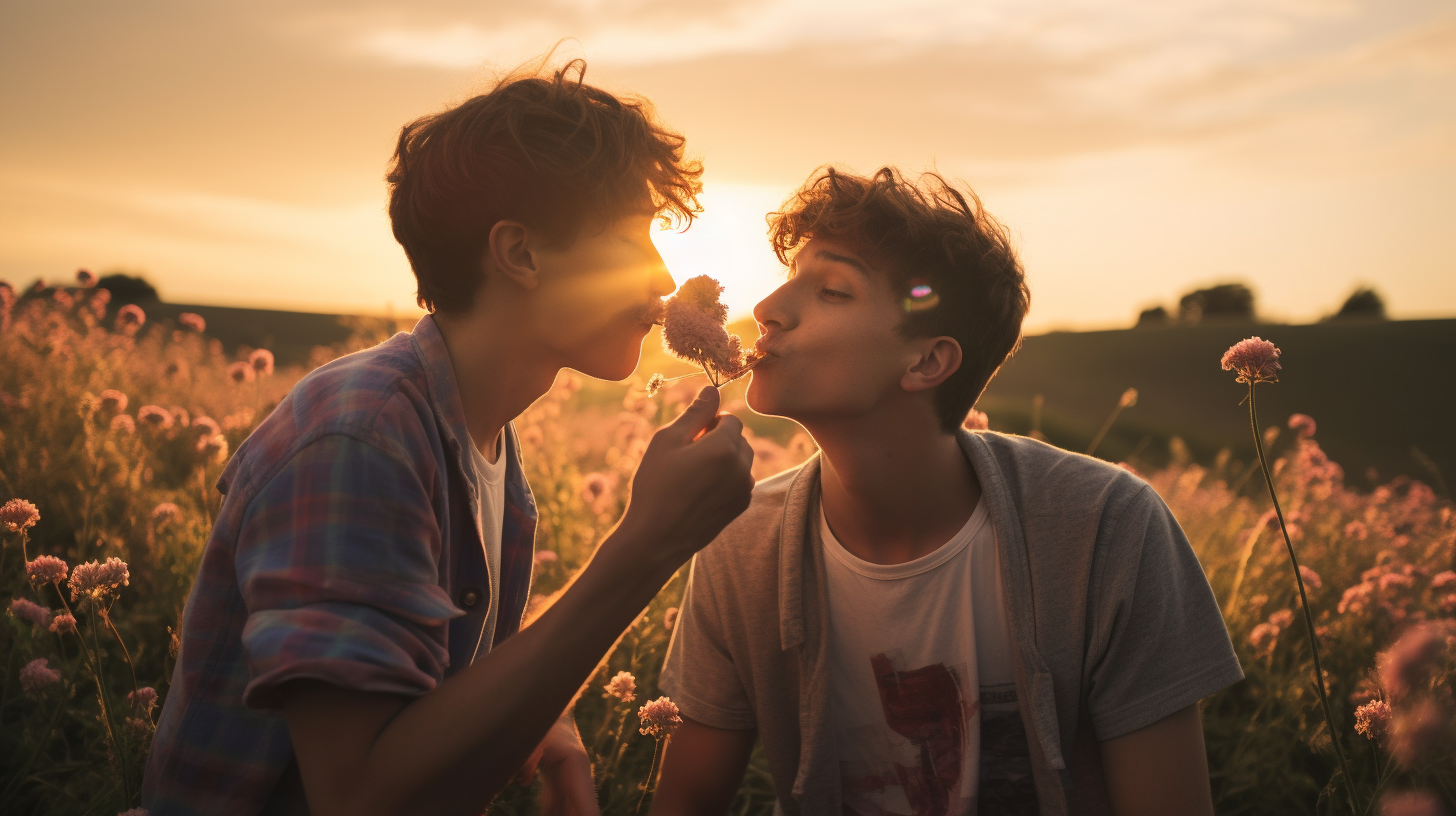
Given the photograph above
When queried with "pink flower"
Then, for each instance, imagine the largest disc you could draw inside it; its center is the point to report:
(37, 674)
(659, 718)
(1357, 531)
(130, 318)
(111, 402)
(1311, 578)
(693, 330)
(85, 278)
(1404, 665)
(18, 515)
(33, 614)
(46, 569)
(693, 335)
(1356, 598)
(205, 426)
(977, 421)
(180, 414)
(213, 448)
(1416, 731)
(1282, 618)
(1128, 398)
(545, 557)
(99, 580)
(1255, 360)
(64, 624)
(1372, 718)
(594, 489)
(702, 293)
(156, 417)
(142, 699)
(1441, 579)
(262, 362)
(669, 618)
(240, 372)
(1303, 424)
(123, 423)
(192, 322)
(1410, 803)
(623, 686)
(164, 513)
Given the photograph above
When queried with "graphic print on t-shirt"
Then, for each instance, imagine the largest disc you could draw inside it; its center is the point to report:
(1006, 784)
(925, 706)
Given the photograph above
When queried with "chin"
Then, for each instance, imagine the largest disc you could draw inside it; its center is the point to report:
(760, 397)
(612, 370)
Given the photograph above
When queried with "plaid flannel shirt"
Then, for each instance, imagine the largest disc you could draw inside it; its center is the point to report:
(347, 550)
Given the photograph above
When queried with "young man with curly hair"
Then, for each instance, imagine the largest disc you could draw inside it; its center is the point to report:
(353, 643)
(922, 619)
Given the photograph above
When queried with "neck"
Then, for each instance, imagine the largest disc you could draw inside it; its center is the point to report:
(498, 370)
(893, 490)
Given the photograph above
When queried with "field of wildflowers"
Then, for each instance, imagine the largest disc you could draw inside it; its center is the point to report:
(114, 427)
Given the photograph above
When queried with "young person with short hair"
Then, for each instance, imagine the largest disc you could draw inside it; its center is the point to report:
(353, 642)
(922, 619)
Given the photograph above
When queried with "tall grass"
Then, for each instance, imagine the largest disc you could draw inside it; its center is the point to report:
(142, 491)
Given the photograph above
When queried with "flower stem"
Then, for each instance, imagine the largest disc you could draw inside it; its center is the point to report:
(1106, 426)
(106, 715)
(106, 616)
(1319, 676)
(651, 782)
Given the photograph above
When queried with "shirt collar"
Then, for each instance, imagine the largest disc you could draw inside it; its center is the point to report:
(440, 378)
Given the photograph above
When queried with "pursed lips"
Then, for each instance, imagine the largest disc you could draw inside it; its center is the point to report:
(767, 346)
(653, 311)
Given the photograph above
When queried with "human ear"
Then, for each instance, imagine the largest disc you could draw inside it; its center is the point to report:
(940, 357)
(509, 253)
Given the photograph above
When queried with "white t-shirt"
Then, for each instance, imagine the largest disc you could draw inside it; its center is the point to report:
(920, 665)
(490, 481)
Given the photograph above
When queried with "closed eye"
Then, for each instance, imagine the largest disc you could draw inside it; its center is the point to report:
(833, 294)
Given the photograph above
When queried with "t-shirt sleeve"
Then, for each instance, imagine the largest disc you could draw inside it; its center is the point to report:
(1159, 641)
(337, 562)
(699, 673)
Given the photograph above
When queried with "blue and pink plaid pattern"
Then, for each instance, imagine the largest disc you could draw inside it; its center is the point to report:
(346, 550)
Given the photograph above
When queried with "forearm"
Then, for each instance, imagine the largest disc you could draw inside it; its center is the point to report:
(702, 767)
(452, 750)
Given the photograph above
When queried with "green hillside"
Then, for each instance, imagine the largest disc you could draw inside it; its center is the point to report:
(1381, 392)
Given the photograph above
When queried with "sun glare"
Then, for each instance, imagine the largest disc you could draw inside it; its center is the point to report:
(729, 243)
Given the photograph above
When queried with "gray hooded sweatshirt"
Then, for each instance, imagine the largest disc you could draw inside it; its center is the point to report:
(1113, 623)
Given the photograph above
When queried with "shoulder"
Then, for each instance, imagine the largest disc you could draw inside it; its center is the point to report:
(750, 543)
(1040, 476)
(377, 396)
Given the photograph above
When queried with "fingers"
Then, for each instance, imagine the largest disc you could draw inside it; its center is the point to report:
(697, 416)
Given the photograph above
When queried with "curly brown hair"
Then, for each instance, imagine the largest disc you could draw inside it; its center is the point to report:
(552, 152)
(950, 264)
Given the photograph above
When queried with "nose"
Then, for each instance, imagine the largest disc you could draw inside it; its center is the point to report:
(773, 312)
(662, 283)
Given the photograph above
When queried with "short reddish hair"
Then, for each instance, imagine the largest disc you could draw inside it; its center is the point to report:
(950, 263)
(551, 152)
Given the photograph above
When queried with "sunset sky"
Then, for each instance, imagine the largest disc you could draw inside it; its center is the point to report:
(234, 152)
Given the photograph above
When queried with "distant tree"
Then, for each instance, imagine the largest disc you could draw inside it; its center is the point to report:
(128, 288)
(1226, 301)
(1156, 316)
(1363, 304)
